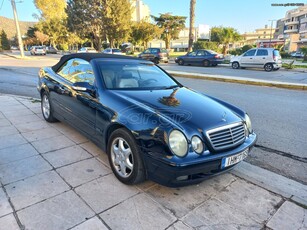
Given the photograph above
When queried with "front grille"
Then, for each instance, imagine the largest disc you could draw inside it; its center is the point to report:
(226, 137)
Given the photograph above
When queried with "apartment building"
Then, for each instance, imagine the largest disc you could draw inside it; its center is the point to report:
(140, 11)
(295, 28)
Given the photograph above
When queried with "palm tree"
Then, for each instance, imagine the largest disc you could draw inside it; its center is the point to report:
(192, 19)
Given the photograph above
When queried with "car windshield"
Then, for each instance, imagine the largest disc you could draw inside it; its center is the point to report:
(134, 75)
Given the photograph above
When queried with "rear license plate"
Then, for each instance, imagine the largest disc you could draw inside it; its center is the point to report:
(228, 161)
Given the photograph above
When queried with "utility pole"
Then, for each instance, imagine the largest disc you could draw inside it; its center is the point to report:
(271, 32)
(17, 28)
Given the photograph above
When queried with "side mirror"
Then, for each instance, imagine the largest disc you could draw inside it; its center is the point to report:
(84, 87)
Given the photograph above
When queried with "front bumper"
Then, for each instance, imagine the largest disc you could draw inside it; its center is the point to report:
(173, 174)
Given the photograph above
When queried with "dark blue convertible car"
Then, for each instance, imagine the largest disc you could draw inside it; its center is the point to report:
(150, 125)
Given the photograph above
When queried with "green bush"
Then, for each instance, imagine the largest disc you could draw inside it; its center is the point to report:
(284, 54)
(206, 45)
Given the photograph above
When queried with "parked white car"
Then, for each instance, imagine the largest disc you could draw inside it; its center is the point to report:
(113, 51)
(87, 50)
(38, 50)
(267, 58)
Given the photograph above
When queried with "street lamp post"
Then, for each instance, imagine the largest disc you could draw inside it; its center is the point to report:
(17, 28)
(271, 32)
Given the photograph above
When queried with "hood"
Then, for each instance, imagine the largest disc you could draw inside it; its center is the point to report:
(183, 107)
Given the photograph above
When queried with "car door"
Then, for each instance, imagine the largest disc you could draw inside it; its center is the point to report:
(79, 106)
(247, 59)
(200, 57)
(190, 58)
(261, 58)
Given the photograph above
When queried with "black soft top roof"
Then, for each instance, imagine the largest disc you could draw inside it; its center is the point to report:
(88, 57)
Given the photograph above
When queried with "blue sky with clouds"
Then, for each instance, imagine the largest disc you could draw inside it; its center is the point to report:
(242, 15)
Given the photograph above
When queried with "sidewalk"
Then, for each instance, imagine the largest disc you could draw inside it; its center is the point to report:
(54, 178)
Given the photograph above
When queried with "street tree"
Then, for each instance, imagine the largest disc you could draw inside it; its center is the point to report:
(41, 37)
(225, 36)
(143, 32)
(171, 26)
(52, 19)
(192, 20)
(117, 21)
(5, 43)
(85, 19)
(304, 51)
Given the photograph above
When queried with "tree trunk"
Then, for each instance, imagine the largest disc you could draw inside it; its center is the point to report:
(192, 19)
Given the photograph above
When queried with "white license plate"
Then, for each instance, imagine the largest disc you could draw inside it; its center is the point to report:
(228, 161)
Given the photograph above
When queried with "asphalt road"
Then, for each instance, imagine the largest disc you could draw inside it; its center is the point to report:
(279, 116)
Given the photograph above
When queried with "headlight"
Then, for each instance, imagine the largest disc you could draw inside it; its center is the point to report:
(197, 145)
(248, 124)
(178, 143)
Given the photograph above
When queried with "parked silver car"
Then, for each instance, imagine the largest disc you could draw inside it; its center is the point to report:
(267, 58)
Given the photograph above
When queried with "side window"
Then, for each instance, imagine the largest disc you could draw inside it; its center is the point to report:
(250, 53)
(77, 70)
(192, 54)
(147, 51)
(201, 53)
(262, 52)
(154, 51)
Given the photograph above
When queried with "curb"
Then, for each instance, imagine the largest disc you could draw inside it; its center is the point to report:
(241, 81)
(17, 57)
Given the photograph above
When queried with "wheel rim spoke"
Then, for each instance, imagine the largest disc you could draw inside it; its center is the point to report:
(122, 158)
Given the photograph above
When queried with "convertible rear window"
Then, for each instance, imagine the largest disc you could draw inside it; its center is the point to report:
(134, 75)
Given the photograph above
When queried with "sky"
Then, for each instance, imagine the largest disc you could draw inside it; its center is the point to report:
(245, 16)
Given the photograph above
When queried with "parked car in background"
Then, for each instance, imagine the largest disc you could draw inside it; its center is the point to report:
(150, 125)
(87, 50)
(113, 51)
(38, 50)
(267, 58)
(156, 55)
(297, 55)
(201, 57)
(51, 50)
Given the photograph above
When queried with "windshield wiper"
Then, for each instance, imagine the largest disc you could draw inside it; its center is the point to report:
(172, 87)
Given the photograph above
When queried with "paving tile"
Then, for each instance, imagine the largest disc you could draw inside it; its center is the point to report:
(91, 224)
(179, 226)
(41, 134)
(71, 133)
(11, 140)
(83, 171)
(24, 119)
(215, 214)
(61, 212)
(182, 200)
(4, 122)
(8, 130)
(13, 107)
(19, 113)
(36, 110)
(34, 189)
(241, 196)
(92, 148)
(31, 126)
(8, 222)
(105, 192)
(138, 208)
(289, 216)
(22, 169)
(5, 207)
(66, 156)
(52, 143)
(15, 153)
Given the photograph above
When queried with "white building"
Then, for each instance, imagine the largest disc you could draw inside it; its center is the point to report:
(140, 11)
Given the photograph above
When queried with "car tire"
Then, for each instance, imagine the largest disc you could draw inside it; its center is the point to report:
(275, 69)
(156, 61)
(268, 67)
(46, 107)
(214, 65)
(180, 62)
(125, 157)
(235, 65)
(206, 63)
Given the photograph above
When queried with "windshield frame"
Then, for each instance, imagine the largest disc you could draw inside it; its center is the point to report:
(107, 61)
